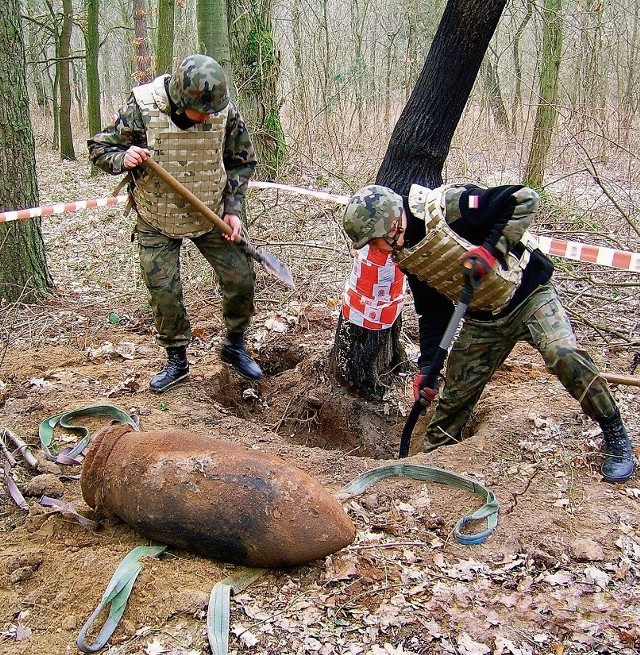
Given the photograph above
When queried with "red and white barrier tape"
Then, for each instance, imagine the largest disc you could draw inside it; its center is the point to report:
(582, 252)
(61, 208)
(321, 195)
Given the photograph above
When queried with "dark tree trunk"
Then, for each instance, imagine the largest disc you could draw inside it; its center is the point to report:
(363, 360)
(66, 134)
(417, 151)
(23, 272)
(420, 141)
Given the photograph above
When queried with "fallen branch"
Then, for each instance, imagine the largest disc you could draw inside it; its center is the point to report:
(629, 380)
(7, 453)
(12, 488)
(31, 461)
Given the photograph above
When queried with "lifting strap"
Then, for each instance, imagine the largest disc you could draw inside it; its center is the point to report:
(116, 596)
(71, 455)
(488, 512)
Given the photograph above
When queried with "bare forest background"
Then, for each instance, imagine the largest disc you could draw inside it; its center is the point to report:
(322, 84)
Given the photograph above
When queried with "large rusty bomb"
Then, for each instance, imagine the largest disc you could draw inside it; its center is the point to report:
(212, 497)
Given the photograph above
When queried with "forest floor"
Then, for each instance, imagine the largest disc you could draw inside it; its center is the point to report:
(559, 575)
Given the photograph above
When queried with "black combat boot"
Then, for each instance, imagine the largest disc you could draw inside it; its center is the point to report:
(176, 369)
(618, 461)
(234, 352)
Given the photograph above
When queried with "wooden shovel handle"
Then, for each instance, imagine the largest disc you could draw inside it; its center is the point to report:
(271, 263)
(614, 378)
(179, 188)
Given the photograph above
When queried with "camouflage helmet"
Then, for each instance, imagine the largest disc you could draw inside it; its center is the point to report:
(199, 83)
(371, 213)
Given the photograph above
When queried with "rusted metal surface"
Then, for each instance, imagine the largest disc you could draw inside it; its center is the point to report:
(212, 497)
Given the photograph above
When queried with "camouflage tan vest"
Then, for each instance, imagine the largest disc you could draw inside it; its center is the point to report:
(435, 259)
(193, 156)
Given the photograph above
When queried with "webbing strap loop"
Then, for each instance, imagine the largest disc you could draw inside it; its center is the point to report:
(488, 512)
(70, 455)
(219, 607)
(116, 594)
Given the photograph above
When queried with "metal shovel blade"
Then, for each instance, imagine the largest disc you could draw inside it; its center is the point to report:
(271, 263)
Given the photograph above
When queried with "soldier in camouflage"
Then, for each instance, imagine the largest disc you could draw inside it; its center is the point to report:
(187, 122)
(492, 224)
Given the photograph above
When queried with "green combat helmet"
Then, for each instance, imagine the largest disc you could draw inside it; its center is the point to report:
(199, 83)
(371, 213)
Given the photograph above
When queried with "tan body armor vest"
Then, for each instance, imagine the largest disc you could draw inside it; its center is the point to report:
(434, 259)
(193, 156)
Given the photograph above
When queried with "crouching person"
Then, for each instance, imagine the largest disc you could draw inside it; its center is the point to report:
(431, 233)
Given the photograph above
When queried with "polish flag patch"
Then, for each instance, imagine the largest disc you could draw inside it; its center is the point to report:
(474, 202)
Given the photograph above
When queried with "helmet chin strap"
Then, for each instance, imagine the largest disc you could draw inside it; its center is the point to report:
(393, 238)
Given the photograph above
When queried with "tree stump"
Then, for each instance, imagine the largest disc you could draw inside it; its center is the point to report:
(364, 361)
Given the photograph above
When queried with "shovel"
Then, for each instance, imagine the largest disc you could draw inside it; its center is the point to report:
(429, 380)
(271, 264)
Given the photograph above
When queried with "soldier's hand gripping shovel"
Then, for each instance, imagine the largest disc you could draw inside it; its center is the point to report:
(429, 380)
(271, 264)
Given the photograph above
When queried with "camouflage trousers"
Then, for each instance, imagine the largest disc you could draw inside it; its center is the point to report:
(160, 265)
(483, 346)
